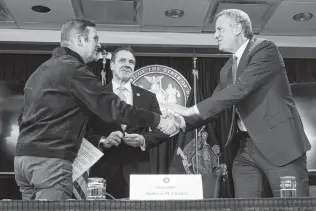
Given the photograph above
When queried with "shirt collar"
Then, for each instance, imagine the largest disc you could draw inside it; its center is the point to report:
(241, 50)
(127, 85)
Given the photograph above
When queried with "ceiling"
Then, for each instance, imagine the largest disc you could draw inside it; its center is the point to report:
(143, 24)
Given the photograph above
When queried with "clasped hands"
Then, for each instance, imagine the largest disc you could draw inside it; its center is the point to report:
(172, 121)
(169, 124)
(116, 137)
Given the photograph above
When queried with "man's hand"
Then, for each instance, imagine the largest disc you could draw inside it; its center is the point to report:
(114, 139)
(180, 122)
(179, 109)
(168, 125)
(134, 140)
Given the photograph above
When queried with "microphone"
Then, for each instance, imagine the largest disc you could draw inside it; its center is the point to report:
(101, 48)
(103, 54)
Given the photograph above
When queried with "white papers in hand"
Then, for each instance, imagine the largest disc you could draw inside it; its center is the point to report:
(87, 156)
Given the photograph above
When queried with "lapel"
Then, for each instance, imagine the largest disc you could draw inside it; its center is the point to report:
(109, 87)
(136, 96)
(228, 71)
(243, 62)
(137, 101)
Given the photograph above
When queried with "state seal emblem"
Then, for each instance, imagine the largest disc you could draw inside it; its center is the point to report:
(167, 83)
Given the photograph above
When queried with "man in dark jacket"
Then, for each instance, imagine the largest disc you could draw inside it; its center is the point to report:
(125, 147)
(59, 97)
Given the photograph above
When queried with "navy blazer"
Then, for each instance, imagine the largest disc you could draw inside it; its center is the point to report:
(125, 159)
(264, 101)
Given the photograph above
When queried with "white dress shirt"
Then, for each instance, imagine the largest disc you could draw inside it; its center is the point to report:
(128, 93)
(238, 54)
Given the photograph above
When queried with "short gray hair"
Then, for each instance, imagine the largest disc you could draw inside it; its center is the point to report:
(73, 27)
(238, 16)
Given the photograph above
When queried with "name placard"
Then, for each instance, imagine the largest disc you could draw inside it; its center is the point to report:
(166, 187)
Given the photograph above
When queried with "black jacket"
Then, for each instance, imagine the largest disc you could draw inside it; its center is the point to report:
(58, 99)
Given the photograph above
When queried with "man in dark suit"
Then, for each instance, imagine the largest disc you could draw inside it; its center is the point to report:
(254, 83)
(125, 147)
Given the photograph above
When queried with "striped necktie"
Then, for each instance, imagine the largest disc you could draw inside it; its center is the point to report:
(234, 110)
(234, 68)
(121, 93)
(240, 123)
(81, 186)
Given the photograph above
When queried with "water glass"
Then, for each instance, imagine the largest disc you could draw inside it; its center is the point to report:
(287, 186)
(96, 188)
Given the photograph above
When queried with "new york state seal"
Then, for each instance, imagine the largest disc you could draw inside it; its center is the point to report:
(167, 83)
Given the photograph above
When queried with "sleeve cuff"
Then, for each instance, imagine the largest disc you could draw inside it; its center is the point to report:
(157, 121)
(100, 144)
(143, 147)
(196, 110)
(182, 123)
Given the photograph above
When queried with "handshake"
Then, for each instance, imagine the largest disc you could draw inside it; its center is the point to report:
(173, 121)
(170, 124)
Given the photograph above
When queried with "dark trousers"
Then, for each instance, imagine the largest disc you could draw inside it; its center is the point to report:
(115, 182)
(250, 167)
(118, 188)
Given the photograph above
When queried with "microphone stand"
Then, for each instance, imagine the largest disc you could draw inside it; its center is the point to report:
(103, 72)
(104, 55)
(195, 73)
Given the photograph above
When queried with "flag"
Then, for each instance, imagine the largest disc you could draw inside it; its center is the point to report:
(205, 161)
